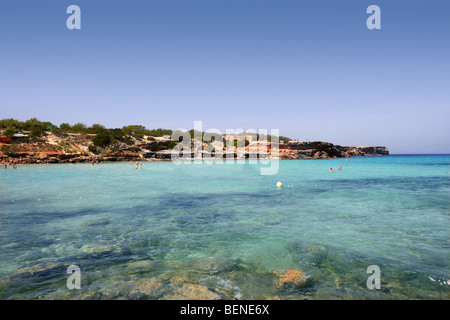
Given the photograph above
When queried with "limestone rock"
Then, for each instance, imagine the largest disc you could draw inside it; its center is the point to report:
(147, 289)
(37, 268)
(292, 277)
(189, 291)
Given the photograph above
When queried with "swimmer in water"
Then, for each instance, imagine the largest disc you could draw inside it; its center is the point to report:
(340, 168)
(331, 170)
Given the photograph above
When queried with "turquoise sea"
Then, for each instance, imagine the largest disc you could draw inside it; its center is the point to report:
(136, 234)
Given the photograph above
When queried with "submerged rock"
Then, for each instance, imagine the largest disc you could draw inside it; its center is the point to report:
(95, 249)
(189, 291)
(147, 289)
(177, 281)
(96, 223)
(292, 277)
(218, 265)
(37, 268)
(139, 265)
(273, 298)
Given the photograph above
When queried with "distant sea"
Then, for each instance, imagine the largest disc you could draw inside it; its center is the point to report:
(227, 228)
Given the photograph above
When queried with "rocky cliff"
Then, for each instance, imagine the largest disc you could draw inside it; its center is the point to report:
(79, 148)
(325, 150)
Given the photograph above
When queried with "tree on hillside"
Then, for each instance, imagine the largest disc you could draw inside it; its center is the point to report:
(102, 139)
(9, 131)
(65, 127)
(96, 128)
(133, 129)
(107, 137)
(9, 123)
(34, 124)
(158, 132)
(37, 133)
(78, 128)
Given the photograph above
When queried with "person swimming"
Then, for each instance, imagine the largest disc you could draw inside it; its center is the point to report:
(331, 170)
(340, 168)
(140, 166)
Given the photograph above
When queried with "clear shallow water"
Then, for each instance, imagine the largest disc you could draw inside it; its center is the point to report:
(228, 228)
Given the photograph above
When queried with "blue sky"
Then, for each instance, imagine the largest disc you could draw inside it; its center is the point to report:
(311, 69)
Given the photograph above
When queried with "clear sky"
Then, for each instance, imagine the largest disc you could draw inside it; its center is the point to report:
(311, 69)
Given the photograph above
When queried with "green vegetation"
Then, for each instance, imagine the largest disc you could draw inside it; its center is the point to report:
(9, 132)
(284, 139)
(78, 128)
(133, 129)
(9, 123)
(158, 132)
(92, 148)
(37, 133)
(104, 137)
(128, 141)
(171, 144)
(32, 124)
(64, 127)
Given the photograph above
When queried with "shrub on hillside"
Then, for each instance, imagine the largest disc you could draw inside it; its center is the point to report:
(102, 139)
(9, 132)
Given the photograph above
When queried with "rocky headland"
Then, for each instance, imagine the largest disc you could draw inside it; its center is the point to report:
(71, 148)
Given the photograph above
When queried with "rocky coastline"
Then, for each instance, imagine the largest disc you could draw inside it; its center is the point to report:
(76, 149)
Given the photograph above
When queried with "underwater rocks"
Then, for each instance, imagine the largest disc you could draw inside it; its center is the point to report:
(96, 223)
(37, 268)
(13, 286)
(147, 289)
(292, 277)
(189, 291)
(204, 278)
(155, 288)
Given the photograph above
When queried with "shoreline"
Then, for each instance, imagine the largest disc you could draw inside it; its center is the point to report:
(80, 149)
(116, 160)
